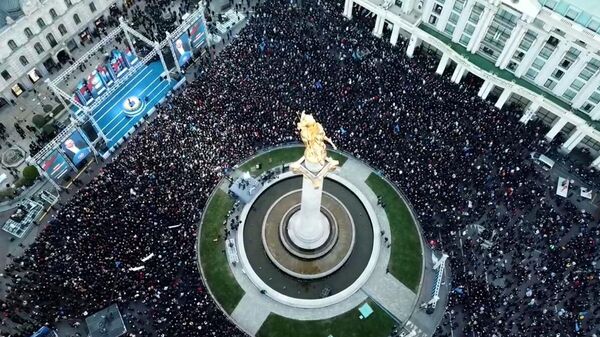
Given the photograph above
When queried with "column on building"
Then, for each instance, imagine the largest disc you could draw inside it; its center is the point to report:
(485, 89)
(427, 9)
(552, 62)
(531, 54)
(379, 23)
(511, 44)
(407, 6)
(560, 123)
(588, 88)
(442, 65)
(504, 96)
(459, 73)
(462, 20)
(348, 8)
(395, 34)
(529, 112)
(596, 163)
(482, 26)
(445, 15)
(572, 73)
(412, 44)
(575, 138)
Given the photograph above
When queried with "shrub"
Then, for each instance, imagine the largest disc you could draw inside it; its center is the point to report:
(39, 121)
(30, 174)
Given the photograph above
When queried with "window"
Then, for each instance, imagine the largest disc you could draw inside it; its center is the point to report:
(53, 13)
(593, 25)
(587, 107)
(5, 75)
(38, 48)
(62, 29)
(438, 9)
(577, 84)
(558, 74)
(41, 23)
(92, 7)
(23, 61)
(595, 97)
(28, 33)
(68, 3)
(76, 19)
(433, 19)
(551, 3)
(550, 84)
(572, 14)
(519, 56)
(51, 40)
(553, 41)
(12, 44)
(569, 94)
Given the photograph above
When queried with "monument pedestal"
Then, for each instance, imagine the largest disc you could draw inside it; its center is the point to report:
(309, 228)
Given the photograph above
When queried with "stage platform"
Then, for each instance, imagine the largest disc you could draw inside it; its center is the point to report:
(148, 86)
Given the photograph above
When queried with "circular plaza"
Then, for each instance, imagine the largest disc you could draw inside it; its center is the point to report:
(368, 253)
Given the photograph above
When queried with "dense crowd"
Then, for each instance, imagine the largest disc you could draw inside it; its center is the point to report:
(459, 160)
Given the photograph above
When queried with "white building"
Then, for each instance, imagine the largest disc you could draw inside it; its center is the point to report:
(540, 54)
(36, 35)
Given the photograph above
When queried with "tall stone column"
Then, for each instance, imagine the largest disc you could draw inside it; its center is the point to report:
(309, 228)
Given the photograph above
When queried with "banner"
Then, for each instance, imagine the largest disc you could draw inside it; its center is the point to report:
(83, 92)
(104, 75)
(586, 193)
(182, 48)
(95, 84)
(198, 34)
(55, 165)
(76, 148)
(562, 188)
(130, 57)
(118, 64)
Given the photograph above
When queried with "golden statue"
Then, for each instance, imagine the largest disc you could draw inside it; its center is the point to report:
(314, 138)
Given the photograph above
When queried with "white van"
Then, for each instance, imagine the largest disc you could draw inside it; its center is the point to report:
(540, 159)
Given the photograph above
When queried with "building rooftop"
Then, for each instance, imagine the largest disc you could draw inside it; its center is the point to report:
(584, 12)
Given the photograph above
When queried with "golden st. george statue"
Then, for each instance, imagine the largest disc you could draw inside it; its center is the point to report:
(314, 138)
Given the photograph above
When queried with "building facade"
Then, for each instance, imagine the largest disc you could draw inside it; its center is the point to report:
(540, 54)
(36, 36)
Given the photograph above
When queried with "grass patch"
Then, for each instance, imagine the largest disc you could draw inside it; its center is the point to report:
(215, 266)
(274, 158)
(379, 324)
(405, 261)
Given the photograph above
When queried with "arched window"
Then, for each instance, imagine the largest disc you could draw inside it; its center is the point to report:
(12, 44)
(68, 3)
(23, 60)
(28, 33)
(41, 23)
(38, 48)
(62, 29)
(76, 19)
(51, 40)
(53, 13)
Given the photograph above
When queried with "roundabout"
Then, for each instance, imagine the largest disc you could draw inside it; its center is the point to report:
(311, 245)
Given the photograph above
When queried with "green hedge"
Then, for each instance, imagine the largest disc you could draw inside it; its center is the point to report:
(406, 259)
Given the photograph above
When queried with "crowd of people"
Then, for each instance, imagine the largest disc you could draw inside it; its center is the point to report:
(460, 161)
